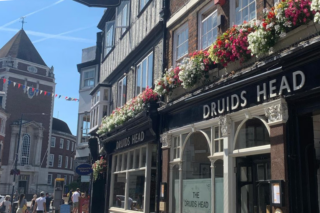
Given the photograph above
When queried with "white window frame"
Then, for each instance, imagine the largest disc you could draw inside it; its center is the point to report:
(49, 183)
(61, 143)
(175, 42)
(218, 140)
(25, 151)
(119, 18)
(60, 161)
(71, 162)
(176, 147)
(66, 163)
(201, 19)
(121, 100)
(108, 47)
(87, 128)
(53, 141)
(68, 144)
(118, 169)
(248, 6)
(51, 160)
(72, 144)
(84, 79)
(147, 72)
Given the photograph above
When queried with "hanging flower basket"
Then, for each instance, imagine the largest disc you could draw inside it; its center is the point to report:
(15, 172)
(99, 167)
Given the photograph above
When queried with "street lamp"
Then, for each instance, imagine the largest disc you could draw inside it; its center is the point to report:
(17, 153)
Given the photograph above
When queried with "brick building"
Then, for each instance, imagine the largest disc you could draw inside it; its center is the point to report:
(26, 87)
(62, 153)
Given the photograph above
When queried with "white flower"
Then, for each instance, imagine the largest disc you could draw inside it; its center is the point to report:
(282, 34)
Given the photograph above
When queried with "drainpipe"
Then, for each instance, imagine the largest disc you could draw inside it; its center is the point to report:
(163, 15)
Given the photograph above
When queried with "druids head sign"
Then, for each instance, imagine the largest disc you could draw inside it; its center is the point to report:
(260, 92)
(131, 140)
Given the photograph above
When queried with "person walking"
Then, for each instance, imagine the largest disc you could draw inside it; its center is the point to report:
(16, 195)
(69, 199)
(48, 201)
(40, 206)
(33, 202)
(75, 200)
(7, 204)
(22, 204)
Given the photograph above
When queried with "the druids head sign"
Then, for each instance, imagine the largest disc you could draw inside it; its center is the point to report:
(131, 140)
(270, 89)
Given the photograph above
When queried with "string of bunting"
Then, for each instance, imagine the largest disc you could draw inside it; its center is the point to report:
(45, 93)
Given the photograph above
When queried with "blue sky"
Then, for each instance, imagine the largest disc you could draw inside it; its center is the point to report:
(59, 29)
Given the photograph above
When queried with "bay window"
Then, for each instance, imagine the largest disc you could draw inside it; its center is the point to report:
(144, 74)
(134, 180)
(85, 127)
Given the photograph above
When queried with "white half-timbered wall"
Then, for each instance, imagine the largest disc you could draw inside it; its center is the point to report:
(140, 27)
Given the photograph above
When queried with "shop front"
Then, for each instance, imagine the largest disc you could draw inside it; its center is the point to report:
(132, 153)
(243, 147)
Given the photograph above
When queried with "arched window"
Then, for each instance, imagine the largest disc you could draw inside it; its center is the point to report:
(196, 174)
(25, 149)
(252, 133)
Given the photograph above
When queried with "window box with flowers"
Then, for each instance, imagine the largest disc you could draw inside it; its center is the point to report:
(99, 167)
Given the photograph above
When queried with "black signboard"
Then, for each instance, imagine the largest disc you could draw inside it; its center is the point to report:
(100, 3)
(286, 83)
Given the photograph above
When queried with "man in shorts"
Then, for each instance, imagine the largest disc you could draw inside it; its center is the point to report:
(75, 200)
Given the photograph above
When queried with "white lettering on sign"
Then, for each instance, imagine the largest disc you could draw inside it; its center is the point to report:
(133, 139)
(234, 101)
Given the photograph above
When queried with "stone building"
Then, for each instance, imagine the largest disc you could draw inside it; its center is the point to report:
(27, 85)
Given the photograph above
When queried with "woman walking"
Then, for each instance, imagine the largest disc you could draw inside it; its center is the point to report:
(22, 204)
(7, 204)
(33, 202)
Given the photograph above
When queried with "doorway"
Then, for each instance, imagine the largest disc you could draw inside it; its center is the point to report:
(22, 187)
(253, 184)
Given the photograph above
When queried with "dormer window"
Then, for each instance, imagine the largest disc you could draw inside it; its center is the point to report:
(88, 78)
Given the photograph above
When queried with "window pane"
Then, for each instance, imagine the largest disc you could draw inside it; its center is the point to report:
(119, 190)
(144, 75)
(261, 171)
(221, 145)
(150, 70)
(144, 157)
(238, 16)
(115, 163)
(137, 154)
(124, 90)
(105, 110)
(176, 190)
(216, 146)
(106, 94)
(218, 186)
(252, 10)
(131, 160)
(139, 79)
(245, 16)
(154, 156)
(125, 161)
(244, 3)
(136, 191)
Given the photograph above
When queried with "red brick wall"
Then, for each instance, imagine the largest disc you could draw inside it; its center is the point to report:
(64, 152)
(18, 102)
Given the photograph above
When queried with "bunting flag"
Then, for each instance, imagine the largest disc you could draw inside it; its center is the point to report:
(45, 93)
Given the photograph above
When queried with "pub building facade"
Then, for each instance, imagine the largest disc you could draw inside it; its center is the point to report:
(131, 60)
(247, 143)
